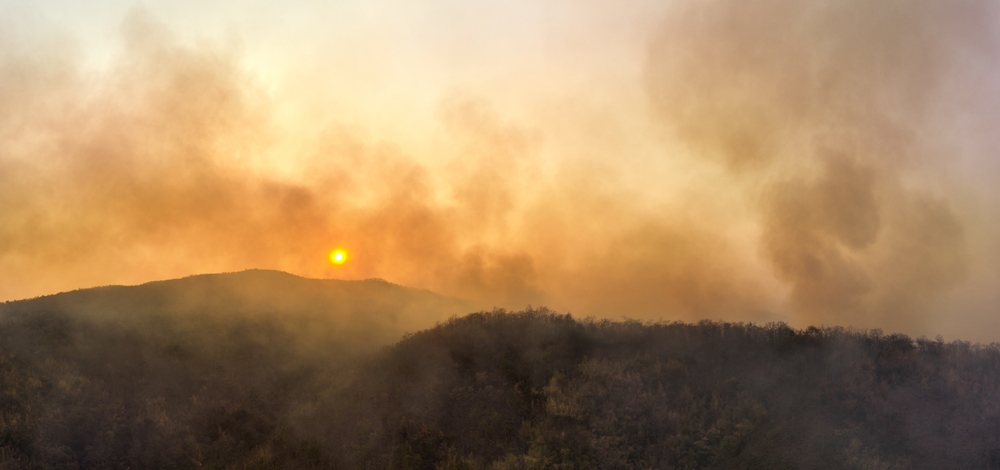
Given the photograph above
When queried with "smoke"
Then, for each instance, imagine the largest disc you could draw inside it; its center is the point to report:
(778, 160)
(838, 114)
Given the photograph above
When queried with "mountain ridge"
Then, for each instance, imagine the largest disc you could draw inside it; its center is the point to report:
(372, 310)
(265, 369)
(251, 271)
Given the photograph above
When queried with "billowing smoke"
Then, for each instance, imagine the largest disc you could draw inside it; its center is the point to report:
(815, 162)
(840, 119)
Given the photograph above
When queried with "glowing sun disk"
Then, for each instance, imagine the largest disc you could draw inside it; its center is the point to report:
(338, 256)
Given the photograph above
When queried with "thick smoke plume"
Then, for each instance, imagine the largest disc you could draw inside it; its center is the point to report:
(839, 118)
(814, 162)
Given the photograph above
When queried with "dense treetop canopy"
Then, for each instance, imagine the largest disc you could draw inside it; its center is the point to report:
(496, 390)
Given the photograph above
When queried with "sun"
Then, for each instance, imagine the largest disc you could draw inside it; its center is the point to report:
(338, 256)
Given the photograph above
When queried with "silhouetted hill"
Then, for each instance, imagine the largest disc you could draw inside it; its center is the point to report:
(189, 373)
(264, 370)
(367, 312)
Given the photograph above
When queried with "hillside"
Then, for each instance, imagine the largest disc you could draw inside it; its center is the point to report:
(364, 314)
(146, 376)
(539, 390)
(264, 370)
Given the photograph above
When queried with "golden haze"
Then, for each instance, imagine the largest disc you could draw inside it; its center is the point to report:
(813, 162)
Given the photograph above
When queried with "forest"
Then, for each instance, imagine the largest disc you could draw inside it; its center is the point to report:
(207, 373)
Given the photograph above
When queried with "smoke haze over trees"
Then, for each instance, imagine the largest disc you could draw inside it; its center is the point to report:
(692, 165)
(266, 370)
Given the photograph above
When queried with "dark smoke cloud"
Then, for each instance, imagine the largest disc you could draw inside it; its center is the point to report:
(839, 112)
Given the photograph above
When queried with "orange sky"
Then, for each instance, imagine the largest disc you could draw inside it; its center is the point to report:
(810, 162)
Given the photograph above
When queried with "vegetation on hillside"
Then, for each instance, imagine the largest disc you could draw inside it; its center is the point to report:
(539, 390)
(202, 372)
(491, 390)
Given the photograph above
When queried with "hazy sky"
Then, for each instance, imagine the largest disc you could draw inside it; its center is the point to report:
(816, 162)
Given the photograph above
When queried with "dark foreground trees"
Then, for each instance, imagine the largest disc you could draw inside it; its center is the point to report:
(490, 390)
(537, 390)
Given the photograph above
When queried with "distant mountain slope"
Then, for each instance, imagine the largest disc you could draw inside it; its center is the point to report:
(199, 372)
(264, 370)
(366, 312)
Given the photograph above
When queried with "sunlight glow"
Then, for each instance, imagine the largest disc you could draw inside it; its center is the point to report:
(338, 256)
